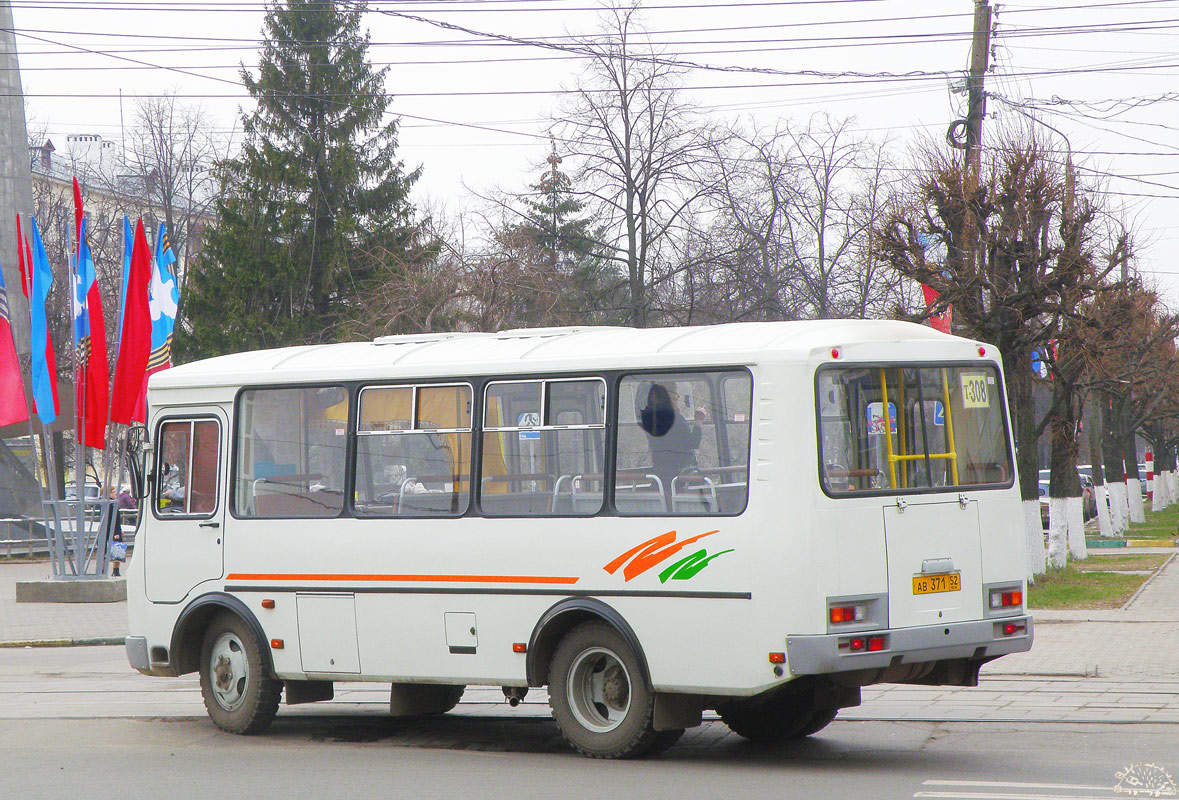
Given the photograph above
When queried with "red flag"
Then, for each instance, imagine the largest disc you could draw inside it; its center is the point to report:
(12, 388)
(77, 214)
(96, 371)
(939, 322)
(135, 345)
(20, 259)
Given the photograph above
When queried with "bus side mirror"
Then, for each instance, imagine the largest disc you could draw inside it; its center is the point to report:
(135, 466)
(136, 439)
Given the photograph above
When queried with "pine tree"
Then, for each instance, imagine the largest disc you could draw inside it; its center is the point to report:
(567, 248)
(315, 202)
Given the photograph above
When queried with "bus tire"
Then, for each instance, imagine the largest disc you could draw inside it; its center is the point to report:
(822, 718)
(787, 716)
(239, 696)
(599, 695)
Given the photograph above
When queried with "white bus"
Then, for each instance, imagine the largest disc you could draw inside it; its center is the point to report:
(754, 518)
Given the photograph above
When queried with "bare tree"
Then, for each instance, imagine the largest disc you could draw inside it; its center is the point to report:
(1034, 268)
(639, 152)
(170, 156)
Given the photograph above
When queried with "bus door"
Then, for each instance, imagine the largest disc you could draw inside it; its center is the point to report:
(183, 545)
(934, 554)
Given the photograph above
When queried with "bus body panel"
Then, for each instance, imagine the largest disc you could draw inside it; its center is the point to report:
(444, 600)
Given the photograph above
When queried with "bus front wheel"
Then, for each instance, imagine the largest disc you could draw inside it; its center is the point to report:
(785, 717)
(599, 697)
(238, 695)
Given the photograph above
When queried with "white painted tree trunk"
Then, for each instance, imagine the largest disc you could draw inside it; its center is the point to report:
(1057, 532)
(1134, 495)
(1034, 530)
(1158, 498)
(1162, 483)
(1119, 512)
(1174, 486)
(1104, 526)
(1074, 515)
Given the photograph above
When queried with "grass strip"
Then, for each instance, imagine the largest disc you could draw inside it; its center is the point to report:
(1073, 588)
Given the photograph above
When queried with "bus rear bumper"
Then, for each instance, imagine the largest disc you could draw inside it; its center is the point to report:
(977, 641)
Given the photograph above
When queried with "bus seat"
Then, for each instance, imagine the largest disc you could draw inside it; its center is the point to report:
(641, 502)
(431, 504)
(518, 504)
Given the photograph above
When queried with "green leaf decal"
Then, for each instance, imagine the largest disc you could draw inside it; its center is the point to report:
(688, 567)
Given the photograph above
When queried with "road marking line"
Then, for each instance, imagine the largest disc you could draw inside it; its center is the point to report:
(1018, 785)
(1007, 796)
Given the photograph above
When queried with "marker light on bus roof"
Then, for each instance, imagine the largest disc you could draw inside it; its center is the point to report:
(982, 351)
(835, 352)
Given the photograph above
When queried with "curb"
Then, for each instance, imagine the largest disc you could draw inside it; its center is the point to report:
(98, 641)
(1147, 582)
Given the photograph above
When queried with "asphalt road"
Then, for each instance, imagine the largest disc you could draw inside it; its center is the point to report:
(359, 757)
(74, 723)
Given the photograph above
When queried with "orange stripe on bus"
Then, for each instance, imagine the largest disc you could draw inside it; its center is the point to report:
(249, 576)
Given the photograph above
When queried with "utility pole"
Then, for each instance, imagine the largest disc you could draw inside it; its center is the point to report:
(980, 50)
(16, 180)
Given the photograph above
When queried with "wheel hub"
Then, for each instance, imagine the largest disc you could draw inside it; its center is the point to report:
(598, 688)
(229, 670)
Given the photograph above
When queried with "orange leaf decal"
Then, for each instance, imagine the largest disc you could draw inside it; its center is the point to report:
(646, 555)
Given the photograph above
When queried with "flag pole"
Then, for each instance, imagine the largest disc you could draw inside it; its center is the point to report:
(40, 471)
(80, 417)
(120, 437)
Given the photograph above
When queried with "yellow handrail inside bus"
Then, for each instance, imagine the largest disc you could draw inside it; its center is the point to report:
(904, 458)
(892, 457)
(953, 450)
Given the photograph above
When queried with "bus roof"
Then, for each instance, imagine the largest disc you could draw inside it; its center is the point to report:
(544, 349)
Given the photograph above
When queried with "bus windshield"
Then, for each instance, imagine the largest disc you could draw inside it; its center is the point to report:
(911, 428)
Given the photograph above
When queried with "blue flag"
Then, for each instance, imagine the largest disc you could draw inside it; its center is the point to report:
(84, 275)
(163, 297)
(43, 380)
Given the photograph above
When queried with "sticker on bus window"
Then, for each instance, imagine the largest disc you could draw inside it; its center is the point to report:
(876, 418)
(974, 390)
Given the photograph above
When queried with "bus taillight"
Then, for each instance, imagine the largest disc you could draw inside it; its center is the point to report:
(1006, 598)
(847, 613)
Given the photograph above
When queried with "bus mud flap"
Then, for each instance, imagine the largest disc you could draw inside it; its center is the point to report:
(297, 692)
(675, 712)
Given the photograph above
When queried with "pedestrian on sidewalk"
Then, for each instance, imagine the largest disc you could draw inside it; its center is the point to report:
(117, 552)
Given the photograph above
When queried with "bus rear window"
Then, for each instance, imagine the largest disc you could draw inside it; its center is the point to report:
(895, 429)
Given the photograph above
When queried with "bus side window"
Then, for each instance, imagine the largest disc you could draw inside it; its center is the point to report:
(187, 469)
(290, 452)
(543, 442)
(683, 443)
(413, 451)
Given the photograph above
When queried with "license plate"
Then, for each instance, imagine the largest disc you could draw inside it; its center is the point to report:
(932, 584)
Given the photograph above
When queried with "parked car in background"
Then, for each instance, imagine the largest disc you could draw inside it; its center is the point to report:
(1088, 497)
(1088, 494)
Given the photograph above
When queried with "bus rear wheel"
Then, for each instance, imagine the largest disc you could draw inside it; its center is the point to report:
(599, 697)
(238, 695)
(791, 716)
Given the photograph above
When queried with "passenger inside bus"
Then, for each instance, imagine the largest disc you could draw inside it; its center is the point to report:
(671, 439)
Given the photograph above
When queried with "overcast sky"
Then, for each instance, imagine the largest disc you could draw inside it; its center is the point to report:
(474, 108)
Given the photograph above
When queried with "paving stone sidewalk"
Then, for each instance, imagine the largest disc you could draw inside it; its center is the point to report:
(52, 621)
